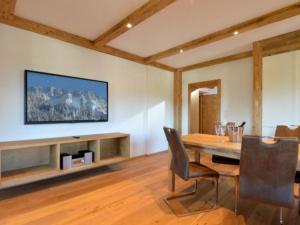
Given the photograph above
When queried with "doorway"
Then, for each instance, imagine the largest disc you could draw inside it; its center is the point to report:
(204, 106)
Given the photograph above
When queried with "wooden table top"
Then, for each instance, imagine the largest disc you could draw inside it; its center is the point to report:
(217, 145)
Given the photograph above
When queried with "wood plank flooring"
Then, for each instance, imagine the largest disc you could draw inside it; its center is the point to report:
(128, 193)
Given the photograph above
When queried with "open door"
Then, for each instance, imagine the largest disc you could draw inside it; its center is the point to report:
(204, 106)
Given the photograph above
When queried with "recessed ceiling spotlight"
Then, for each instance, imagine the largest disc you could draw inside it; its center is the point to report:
(128, 25)
(181, 51)
(236, 32)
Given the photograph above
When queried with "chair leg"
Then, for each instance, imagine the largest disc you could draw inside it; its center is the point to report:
(236, 194)
(281, 219)
(185, 194)
(171, 181)
(191, 193)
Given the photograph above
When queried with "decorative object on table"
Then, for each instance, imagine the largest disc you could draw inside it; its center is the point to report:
(217, 126)
(230, 126)
(220, 129)
(235, 133)
(52, 98)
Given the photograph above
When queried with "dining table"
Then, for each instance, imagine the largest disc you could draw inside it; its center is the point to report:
(211, 144)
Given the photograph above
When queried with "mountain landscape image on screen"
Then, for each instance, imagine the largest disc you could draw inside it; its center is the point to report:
(68, 100)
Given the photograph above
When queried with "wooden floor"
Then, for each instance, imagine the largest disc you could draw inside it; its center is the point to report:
(128, 193)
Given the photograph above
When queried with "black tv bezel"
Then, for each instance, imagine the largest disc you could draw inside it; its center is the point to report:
(26, 122)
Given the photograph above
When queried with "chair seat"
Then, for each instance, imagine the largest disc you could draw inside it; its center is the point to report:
(297, 177)
(222, 169)
(198, 170)
(225, 160)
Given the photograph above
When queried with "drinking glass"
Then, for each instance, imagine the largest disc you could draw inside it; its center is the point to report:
(222, 132)
(217, 128)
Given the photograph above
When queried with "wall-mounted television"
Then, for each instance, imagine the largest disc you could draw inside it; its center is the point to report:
(53, 98)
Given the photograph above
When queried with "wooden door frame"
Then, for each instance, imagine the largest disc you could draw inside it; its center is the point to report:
(208, 84)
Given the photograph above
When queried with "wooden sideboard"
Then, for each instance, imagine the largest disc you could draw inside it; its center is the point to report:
(16, 167)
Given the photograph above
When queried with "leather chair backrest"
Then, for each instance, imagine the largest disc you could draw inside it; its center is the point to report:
(180, 158)
(267, 171)
(285, 131)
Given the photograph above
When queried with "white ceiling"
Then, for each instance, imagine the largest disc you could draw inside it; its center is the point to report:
(186, 20)
(178, 23)
(233, 45)
(86, 18)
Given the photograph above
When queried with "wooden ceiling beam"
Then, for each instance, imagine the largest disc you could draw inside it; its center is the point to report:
(281, 43)
(162, 66)
(266, 19)
(217, 61)
(138, 16)
(35, 27)
(7, 8)
(270, 46)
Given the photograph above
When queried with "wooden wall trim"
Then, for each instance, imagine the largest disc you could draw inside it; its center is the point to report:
(7, 8)
(177, 100)
(257, 88)
(257, 22)
(35, 27)
(138, 16)
(229, 58)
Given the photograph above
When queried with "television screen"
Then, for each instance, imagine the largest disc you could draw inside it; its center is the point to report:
(51, 98)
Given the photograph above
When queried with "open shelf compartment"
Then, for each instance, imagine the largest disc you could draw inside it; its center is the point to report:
(28, 164)
(114, 148)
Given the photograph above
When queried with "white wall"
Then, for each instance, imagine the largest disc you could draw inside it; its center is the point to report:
(140, 97)
(236, 85)
(281, 91)
(160, 108)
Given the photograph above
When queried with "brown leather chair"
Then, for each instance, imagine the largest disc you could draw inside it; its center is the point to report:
(183, 168)
(285, 131)
(267, 171)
